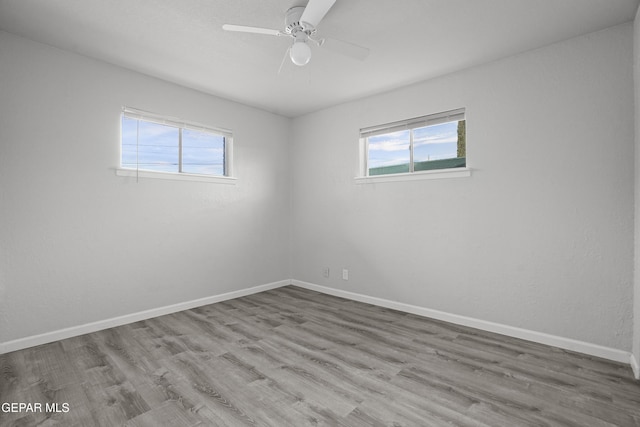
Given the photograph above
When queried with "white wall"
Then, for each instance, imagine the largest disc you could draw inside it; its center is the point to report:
(79, 244)
(540, 237)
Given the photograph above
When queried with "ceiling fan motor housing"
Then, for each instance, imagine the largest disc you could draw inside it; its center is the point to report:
(292, 22)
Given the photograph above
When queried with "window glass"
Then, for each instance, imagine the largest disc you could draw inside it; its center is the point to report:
(389, 153)
(154, 143)
(151, 146)
(202, 153)
(436, 141)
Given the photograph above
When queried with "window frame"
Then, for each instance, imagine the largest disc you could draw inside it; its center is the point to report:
(181, 125)
(455, 115)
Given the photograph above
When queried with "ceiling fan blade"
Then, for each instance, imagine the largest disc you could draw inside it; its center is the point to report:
(315, 11)
(284, 58)
(255, 30)
(345, 48)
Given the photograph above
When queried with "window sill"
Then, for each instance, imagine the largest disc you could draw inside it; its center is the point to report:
(176, 176)
(415, 176)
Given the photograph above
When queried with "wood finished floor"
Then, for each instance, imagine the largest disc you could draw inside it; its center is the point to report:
(293, 357)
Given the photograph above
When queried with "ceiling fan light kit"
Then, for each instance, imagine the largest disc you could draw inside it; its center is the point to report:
(300, 53)
(300, 24)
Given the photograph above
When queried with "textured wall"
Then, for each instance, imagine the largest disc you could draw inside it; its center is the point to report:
(540, 236)
(80, 244)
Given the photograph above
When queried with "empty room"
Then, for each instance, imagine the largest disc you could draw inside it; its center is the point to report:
(319, 213)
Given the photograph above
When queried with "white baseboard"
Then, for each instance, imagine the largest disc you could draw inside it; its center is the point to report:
(556, 341)
(635, 366)
(74, 331)
(539, 337)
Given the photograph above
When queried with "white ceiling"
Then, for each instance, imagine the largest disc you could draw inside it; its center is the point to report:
(410, 40)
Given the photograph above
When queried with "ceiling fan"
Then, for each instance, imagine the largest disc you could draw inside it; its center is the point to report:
(300, 24)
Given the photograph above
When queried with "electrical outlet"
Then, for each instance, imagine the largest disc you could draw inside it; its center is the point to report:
(345, 274)
(325, 271)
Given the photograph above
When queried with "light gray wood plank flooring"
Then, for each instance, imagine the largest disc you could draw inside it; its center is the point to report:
(293, 357)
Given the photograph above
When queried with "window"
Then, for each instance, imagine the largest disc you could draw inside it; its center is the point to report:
(158, 144)
(427, 143)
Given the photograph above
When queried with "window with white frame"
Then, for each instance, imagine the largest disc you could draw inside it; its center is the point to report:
(160, 144)
(427, 143)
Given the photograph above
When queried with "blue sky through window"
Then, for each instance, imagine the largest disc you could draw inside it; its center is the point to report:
(202, 153)
(434, 142)
(155, 147)
(390, 149)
